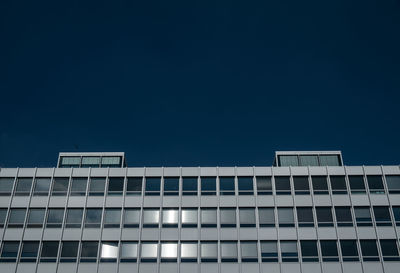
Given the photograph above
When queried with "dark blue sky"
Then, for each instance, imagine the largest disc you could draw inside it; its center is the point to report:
(199, 82)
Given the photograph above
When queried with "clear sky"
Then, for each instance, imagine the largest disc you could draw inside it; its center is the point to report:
(199, 83)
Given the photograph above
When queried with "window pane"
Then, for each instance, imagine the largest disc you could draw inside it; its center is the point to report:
(90, 161)
(329, 160)
(375, 184)
(324, 216)
(3, 216)
(208, 217)
(24, 186)
(169, 251)
(6, 185)
(269, 251)
(349, 250)
(329, 250)
(60, 186)
(69, 249)
(189, 186)
(289, 251)
(111, 161)
(389, 250)
(89, 251)
(112, 218)
(357, 183)
(227, 185)
(393, 183)
(134, 185)
(171, 185)
(9, 251)
(131, 217)
(301, 185)
(264, 185)
(17, 217)
(228, 217)
(189, 252)
(115, 185)
(369, 250)
(266, 217)
(396, 214)
(282, 185)
(36, 217)
(363, 216)
(49, 252)
(288, 160)
(149, 251)
(305, 217)
(229, 252)
(308, 160)
(343, 216)
(42, 186)
(285, 217)
(93, 217)
(55, 218)
(189, 217)
(153, 185)
(170, 217)
(74, 218)
(97, 185)
(320, 184)
(249, 251)
(109, 251)
(151, 217)
(208, 185)
(309, 251)
(129, 251)
(247, 217)
(338, 184)
(245, 185)
(382, 216)
(29, 251)
(209, 251)
(78, 186)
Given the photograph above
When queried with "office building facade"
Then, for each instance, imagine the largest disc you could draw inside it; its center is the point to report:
(308, 213)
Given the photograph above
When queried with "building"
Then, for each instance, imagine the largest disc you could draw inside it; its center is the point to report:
(308, 213)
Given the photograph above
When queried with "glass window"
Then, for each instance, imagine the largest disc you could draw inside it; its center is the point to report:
(382, 216)
(329, 160)
(324, 216)
(349, 250)
(396, 214)
(112, 218)
(375, 184)
(115, 185)
(70, 162)
(151, 217)
(189, 252)
(171, 185)
(389, 250)
(309, 251)
(227, 186)
(282, 185)
(228, 217)
(24, 186)
(249, 251)
(338, 184)
(55, 218)
(189, 217)
(153, 185)
(320, 184)
(29, 251)
(305, 217)
(97, 185)
(288, 160)
(301, 185)
(3, 216)
(148, 252)
(289, 251)
(111, 161)
(16, 218)
(69, 251)
(169, 252)
(363, 216)
(6, 185)
(93, 218)
(91, 161)
(247, 217)
(329, 251)
(229, 252)
(285, 217)
(129, 251)
(60, 186)
(369, 250)
(189, 186)
(78, 186)
(245, 185)
(343, 217)
(208, 185)
(131, 217)
(36, 217)
(208, 217)
(74, 218)
(134, 186)
(269, 251)
(266, 217)
(89, 251)
(42, 186)
(209, 251)
(170, 217)
(49, 251)
(393, 183)
(9, 251)
(308, 160)
(109, 252)
(357, 185)
(264, 185)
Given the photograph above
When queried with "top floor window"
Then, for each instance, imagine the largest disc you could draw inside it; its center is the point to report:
(375, 184)
(6, 185)
(70, 162)
(357, 185)
(171, 185)
(264, 185)
(91, 161)
(245, 185)
(208, 185)
(111, 161)
(189, 186)
(153, 185)
(393, 183)
(227, 186)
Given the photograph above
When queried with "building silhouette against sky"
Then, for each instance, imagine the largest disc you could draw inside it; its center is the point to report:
(308, 213)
